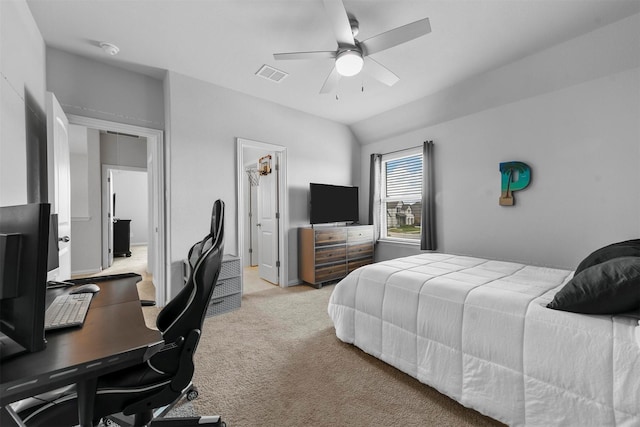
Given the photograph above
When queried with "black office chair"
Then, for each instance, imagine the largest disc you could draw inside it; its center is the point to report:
(166, 376)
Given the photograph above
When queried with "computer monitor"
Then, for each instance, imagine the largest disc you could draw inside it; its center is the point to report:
(22, 314)
(53, 263)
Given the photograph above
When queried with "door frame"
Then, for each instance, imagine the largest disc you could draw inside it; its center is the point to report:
(155, 150)
(283, 204)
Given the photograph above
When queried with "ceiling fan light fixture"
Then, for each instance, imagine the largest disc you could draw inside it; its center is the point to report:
(349, 63)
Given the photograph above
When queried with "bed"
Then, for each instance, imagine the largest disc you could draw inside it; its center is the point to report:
(480, 332)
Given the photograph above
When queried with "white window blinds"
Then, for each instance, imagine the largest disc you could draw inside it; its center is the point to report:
(404, 177)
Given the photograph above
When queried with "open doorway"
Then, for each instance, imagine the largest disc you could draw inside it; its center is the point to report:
(262, 214)
(153, 253)
(126, 218)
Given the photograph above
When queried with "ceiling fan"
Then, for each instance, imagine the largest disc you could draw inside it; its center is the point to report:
(352, 55)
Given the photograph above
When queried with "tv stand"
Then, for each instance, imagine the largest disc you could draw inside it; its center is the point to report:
(328, 254)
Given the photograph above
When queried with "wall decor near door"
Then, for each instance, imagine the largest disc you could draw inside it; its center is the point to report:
(515, 177)
(264, 165)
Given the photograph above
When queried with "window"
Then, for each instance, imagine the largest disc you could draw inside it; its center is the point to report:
(401, 196)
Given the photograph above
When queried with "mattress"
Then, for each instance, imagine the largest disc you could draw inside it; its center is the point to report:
(479, 331)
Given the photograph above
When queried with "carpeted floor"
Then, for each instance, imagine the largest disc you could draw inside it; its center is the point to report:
(277, 362)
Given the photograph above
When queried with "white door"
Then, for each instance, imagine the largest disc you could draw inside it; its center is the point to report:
(110, 216)
(253, 226)
(59, 180)
(268, 225)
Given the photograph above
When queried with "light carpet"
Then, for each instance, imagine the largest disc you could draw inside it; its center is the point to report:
(277, 362)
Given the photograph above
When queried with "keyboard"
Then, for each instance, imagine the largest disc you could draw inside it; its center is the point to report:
(67, 311)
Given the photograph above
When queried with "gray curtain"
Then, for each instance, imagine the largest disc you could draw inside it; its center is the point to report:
(428, 219)
(374, 193)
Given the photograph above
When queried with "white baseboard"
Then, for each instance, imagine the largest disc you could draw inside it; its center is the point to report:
(295, 282)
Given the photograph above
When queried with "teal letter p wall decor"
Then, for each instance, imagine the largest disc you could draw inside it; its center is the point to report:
(515, 176)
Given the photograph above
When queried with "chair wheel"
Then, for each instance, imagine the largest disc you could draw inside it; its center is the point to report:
(192, 394)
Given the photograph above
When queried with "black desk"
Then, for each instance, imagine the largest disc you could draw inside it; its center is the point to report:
(113, 337)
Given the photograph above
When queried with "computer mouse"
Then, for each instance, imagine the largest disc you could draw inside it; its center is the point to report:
(89, 287)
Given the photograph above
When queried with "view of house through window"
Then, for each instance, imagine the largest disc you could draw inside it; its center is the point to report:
(402, 195)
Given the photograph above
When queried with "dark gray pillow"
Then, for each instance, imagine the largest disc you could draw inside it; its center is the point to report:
(615, 250)
(610, 287)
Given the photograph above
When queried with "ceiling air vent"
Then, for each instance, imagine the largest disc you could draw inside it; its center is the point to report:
(271, 73)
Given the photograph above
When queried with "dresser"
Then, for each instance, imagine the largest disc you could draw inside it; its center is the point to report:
(121, 237)
(227, 295)
(328, 254)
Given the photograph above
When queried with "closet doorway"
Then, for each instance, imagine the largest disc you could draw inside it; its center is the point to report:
(262, 211)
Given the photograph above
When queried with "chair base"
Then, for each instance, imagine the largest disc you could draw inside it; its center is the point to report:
(125, 421)
(156, 418)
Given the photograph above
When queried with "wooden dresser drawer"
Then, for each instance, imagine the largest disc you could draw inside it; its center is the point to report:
(330, 254)
(360, 251)
(330, 237)
(330, 272)
(360, 234)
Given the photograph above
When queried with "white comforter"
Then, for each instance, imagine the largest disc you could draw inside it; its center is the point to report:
(478, 331)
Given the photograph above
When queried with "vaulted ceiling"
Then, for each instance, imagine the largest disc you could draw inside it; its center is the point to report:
(226, 42)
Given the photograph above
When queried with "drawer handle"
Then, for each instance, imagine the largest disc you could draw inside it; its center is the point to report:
(217, 300)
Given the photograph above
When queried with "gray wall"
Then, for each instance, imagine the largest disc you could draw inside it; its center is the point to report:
(122, 150)
(22, 92)
(86, 250)
(90, 88)
(582, 141)
(202, 127)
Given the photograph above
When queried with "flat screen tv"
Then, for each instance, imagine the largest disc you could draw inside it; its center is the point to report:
(333, 203)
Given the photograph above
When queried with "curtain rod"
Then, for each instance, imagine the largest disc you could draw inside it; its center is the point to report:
(404, 149)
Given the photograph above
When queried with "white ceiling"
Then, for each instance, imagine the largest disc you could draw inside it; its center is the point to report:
(225, 42)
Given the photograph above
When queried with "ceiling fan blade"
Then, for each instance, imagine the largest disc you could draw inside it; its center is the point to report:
(325, 54)
(340, 22)
(396, 36)
(380, 72)
(331, 83)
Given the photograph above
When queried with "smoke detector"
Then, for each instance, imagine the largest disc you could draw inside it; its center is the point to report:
(109, 48)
